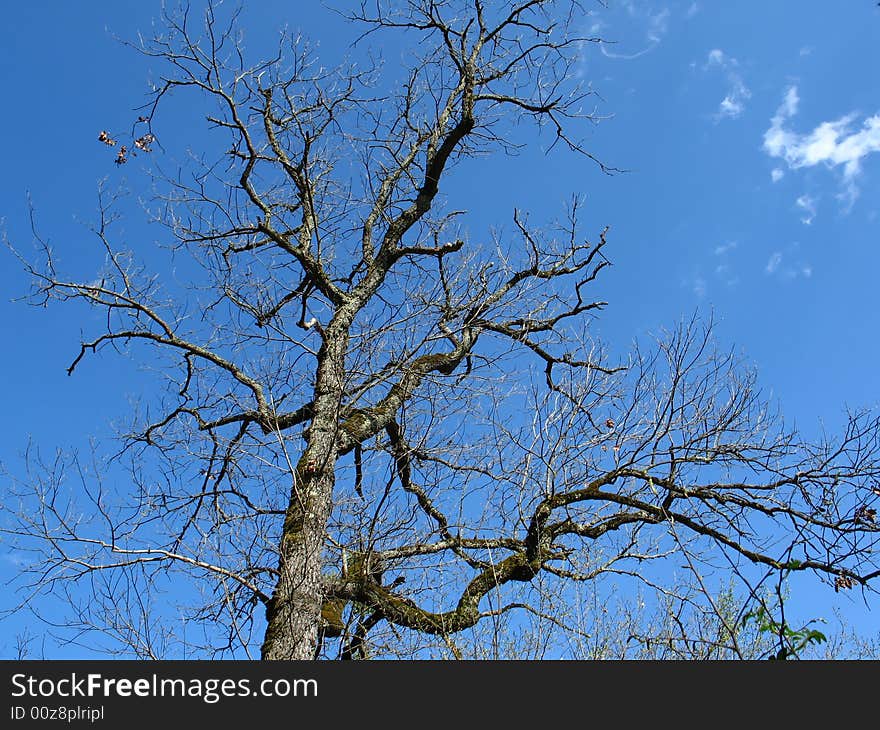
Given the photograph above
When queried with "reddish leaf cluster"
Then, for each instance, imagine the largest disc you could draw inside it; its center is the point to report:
(143, 143)
(865, 514)
(609, 423)
(842, 581)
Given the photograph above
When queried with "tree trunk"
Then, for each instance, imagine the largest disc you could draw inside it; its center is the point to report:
(294, 612)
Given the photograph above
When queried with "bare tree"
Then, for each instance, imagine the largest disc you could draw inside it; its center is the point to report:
(398, 440)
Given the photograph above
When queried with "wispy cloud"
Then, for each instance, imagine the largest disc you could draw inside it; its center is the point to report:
(653, 23)
(780, 264)
(724, 270)
(833, 144)
(658, 25)
(807, 203)
(773, 263)
(719, 271)
(734, 102)
(716, 57)
(776, 174)
(692, 10)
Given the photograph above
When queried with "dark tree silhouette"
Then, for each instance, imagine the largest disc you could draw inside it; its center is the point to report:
(392, 435)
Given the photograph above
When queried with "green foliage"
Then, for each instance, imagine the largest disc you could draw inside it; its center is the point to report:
(791, 641)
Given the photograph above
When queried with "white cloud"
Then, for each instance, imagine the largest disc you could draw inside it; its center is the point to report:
(776, 174)
(623, 56)
(723, 268)
(716, 57)
(692, 10)
(807, 203)
(700, 287)
(794, 272)
(732, 105)
(773, 263)
(725, 248)
(654, 24)
(734, 102)
(725, 272)
(789, 105)
(658, 24)
(833, 144)
(789, 270)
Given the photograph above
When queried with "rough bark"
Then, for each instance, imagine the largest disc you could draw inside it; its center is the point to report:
(294, 612)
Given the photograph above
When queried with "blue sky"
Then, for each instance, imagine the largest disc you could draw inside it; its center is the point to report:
(750, 136)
